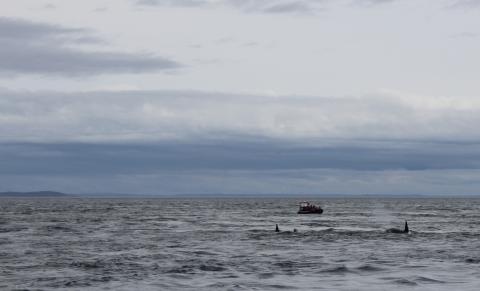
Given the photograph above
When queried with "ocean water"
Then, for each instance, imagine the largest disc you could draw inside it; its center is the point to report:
(230, 244)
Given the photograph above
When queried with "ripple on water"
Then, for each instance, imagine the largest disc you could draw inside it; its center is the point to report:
(427, 280)
(369, 268)
(11, 229)
(403, 281)
(212, 268)
(185, 269)
(337, 270)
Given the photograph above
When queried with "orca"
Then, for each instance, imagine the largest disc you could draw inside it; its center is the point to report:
(276, 228)
(397, 230)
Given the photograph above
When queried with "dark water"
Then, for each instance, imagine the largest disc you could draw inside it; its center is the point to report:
(230, 244)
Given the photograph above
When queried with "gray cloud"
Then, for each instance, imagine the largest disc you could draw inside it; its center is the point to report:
(277, 7)
(372, 2)
(173, 2)
(377, 1)
(145, 116)
(16, 29)
(267, 155)
(287, 6)
(291, 7)
(262, 6)
(265, 6)
(36, 48)
(271, 166)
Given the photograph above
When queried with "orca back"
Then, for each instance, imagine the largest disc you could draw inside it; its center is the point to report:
(397, 230)
(394, 230)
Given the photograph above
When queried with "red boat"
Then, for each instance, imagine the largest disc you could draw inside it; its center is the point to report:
(308, 208)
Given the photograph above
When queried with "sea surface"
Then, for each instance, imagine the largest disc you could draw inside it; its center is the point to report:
(230, 244)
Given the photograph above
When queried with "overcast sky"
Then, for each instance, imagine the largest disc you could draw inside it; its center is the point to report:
(240, 96)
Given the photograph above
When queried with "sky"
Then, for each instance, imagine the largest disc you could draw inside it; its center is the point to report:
(240, 96)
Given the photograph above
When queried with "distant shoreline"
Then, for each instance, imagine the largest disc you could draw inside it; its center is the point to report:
(55, 194)
(13, 194)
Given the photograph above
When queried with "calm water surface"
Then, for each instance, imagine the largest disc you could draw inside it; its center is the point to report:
(230, 244)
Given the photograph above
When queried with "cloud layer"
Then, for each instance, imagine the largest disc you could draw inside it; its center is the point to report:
(288, 6)
(241, 168)
(37, 48)
(267, 155)
(264, 6)
(196, 142)
(143, 116)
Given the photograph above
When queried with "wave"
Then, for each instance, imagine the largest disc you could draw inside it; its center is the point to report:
(369, 268)
(337, 270)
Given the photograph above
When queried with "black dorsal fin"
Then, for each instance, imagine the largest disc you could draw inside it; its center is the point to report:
(406, 227)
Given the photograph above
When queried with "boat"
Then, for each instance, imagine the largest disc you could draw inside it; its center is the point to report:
(309, 208)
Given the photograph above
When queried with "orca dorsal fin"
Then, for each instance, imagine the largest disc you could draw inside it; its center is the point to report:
(406, 227)
(276, 228)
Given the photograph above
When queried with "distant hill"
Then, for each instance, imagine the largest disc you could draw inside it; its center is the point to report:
(33, 194)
